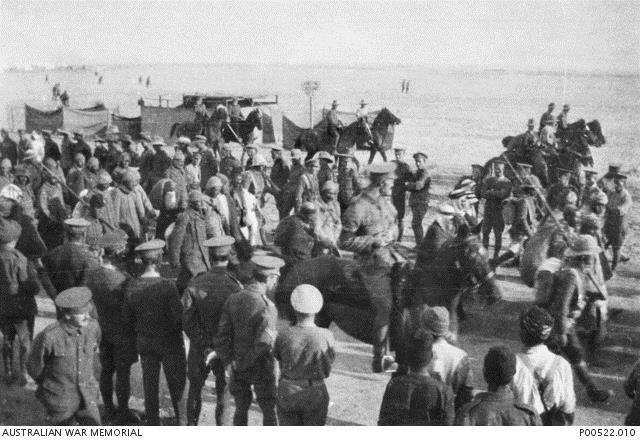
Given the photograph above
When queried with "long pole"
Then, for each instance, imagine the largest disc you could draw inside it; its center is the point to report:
(515, 173)
(557, 223)
(80, 199)
(311, 110)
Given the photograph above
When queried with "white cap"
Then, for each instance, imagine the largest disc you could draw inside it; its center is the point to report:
(306, 299)
(446, 209)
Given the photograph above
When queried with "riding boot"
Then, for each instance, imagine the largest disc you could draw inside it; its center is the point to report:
(194, 406)
(498, 247)
(379, 348)
(7, 362)
(21, 375)
(614, 260)
(495, 262)
(180, 412)
(193, 413)
(595, 394)
(400, 231)
(418, 232)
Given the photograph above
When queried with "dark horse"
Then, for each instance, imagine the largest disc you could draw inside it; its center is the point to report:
(207, 125)
(242, 131)
(462, 267)
(382, 130)
(353, 134)
(572, 153)
(574, 144)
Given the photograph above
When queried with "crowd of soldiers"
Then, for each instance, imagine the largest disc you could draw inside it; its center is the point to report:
(92, 227)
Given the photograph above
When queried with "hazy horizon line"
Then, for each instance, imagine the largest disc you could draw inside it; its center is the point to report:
(364, 66)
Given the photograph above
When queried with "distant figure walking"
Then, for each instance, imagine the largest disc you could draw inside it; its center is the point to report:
(148, 81)
(55, 92)
(46, 78)
(406, 88)
(140, 79)
(64, 98)
(100, 80)
(404, 85)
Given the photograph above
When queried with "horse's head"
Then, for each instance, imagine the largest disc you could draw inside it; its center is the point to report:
(471, 264)
(307, 140)
(401, 274)
(386, 118)
(596, 136)
(254, 118)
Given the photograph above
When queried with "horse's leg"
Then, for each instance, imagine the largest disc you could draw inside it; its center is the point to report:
(453, 317)
(372, 155)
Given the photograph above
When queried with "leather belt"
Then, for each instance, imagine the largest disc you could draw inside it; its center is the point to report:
(303, 382)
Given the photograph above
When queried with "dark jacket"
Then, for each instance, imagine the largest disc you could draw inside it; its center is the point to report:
(17, 288)
(495, 190)
(69, 265)
(9, 149)
(295, 239)
(152, 307)
(247, 329)
(416, 400)
(419, 188)
(185, 242)
(202, 303)
(497, 409)
(107, 286)
(280, 173)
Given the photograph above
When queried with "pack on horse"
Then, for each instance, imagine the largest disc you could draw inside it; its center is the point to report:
(462, 267)
(573, 147)
(354, 134)
(204, 124)
(241, 131)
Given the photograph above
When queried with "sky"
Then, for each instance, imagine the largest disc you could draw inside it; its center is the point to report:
(580, 35)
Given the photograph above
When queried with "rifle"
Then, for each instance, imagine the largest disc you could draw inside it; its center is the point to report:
(515, 173)
(559, 226)
(80, 199)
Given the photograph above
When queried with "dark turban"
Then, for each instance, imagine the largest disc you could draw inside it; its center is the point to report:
(536, 323)
(499, 366)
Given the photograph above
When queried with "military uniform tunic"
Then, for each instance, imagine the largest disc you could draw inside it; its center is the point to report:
(61, 363)
(416, 400)
(497, 409)
(152, 307)
(305, 355)
(202, 302)
(245, 339)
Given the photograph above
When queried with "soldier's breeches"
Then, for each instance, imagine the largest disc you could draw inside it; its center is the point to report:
(492, 221)
(197, 373)
(85, 415)
(302, 402)
(263, 379)
(116, 359)
(418, 213)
